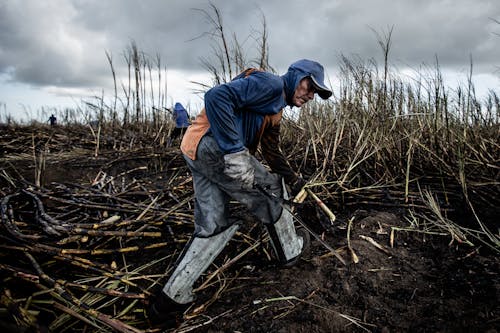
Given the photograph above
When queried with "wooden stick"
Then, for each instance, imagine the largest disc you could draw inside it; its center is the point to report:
(374, 243)
(321, 204)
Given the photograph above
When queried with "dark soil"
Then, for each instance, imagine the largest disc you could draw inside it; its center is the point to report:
(422, 283)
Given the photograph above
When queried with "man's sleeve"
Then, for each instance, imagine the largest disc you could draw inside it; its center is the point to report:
(222, 100)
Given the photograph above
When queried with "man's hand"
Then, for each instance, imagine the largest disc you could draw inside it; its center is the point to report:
(237, 166)
(297, 186)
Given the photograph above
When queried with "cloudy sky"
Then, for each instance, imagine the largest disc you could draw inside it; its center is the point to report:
(53, 52)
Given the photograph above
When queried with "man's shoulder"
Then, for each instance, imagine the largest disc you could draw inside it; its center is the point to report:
(271, 79)
(264, 74)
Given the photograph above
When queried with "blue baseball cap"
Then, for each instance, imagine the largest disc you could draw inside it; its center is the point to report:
(315, 71)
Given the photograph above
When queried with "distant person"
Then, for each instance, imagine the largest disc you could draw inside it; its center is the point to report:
(181, 122)
(52, 120)
(94, 123)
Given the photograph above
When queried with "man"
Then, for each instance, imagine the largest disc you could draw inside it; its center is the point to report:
(181, 122)
(52, 120)
(218, 148)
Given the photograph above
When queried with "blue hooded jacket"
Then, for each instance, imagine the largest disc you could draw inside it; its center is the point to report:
(236, 109)
(181, 116)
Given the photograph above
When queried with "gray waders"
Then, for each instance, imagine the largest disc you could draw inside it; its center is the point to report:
(214, 190)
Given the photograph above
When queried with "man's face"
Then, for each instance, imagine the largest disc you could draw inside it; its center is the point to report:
(303, 93)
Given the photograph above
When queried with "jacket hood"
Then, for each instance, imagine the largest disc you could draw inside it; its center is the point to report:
(178, 107)
(291, 80)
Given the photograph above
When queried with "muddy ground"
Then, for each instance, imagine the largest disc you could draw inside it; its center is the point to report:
(421, 284)
(417, 282)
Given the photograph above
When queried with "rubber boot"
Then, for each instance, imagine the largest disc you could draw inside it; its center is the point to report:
(200, 253)
(287, 243)
(165, 309)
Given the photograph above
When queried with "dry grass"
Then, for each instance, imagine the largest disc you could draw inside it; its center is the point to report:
(414, 146)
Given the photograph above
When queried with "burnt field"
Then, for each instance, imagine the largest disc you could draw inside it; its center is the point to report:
(88, 233)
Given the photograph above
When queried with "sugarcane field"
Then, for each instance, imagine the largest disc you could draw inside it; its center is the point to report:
(93, 219)
(394, 227)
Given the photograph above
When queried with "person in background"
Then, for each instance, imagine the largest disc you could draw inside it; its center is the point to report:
(219, 150)
(52, 120)
(181, 122)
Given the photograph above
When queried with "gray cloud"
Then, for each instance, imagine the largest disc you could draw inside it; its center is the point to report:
(63, 43)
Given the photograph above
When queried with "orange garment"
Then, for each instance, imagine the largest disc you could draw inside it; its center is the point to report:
(193, 135)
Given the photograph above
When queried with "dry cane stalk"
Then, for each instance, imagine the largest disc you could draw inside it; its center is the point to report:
(321, 204)
(105, 319)
(374, 243)
(353, 254)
